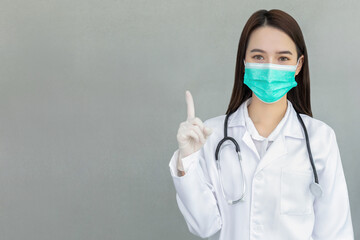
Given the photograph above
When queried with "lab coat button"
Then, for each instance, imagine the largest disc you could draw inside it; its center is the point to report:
(259, 176)
(258, 228)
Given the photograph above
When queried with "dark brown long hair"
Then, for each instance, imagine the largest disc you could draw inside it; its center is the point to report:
(299, 96)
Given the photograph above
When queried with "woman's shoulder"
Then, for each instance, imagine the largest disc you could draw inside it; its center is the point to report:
(317, 126)
(215, 122)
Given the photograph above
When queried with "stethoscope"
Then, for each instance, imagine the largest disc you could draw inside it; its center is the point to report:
(315, 187)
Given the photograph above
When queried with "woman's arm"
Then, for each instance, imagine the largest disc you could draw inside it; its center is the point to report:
(195, 196)
(332, 209)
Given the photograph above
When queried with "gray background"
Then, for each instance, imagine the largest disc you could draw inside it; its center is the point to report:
(92, 94)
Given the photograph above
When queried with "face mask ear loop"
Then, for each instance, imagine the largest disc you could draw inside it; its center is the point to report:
(297, 64)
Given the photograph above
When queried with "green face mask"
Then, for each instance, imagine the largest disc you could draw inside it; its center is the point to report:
(268, 81)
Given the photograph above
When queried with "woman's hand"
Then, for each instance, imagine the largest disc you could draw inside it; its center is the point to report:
(192, 133)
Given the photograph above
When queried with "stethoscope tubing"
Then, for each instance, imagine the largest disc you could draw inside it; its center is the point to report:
(237, 148)
(308, 148)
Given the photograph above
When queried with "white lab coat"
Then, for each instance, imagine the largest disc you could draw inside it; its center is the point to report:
(278, 203)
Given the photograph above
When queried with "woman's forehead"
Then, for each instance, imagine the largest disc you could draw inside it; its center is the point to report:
(271, 40)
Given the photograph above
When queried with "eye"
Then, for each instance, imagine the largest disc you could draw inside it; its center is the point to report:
(258, 57)
(284, 58)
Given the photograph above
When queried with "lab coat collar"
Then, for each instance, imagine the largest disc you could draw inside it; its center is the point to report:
(291, 128)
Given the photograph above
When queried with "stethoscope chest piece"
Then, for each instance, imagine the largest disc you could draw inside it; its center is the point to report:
(316, 189)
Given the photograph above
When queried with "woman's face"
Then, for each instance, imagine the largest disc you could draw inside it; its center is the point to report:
(271, 45)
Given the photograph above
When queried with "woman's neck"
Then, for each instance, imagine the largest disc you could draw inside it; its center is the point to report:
(266, 116)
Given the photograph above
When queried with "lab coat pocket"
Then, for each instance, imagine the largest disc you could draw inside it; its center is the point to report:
(296, 198)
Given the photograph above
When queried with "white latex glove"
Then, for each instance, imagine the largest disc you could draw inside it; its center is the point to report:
(192, 133)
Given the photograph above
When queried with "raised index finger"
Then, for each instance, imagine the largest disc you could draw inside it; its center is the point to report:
(190, 106)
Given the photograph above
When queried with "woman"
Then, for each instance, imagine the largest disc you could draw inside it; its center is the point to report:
(282, 200)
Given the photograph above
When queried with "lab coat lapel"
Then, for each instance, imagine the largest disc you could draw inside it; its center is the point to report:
(236, 119)
(291, 128)
(276, 150)
(249, 142)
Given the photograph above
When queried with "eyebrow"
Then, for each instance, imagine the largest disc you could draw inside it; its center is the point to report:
(262, 51)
